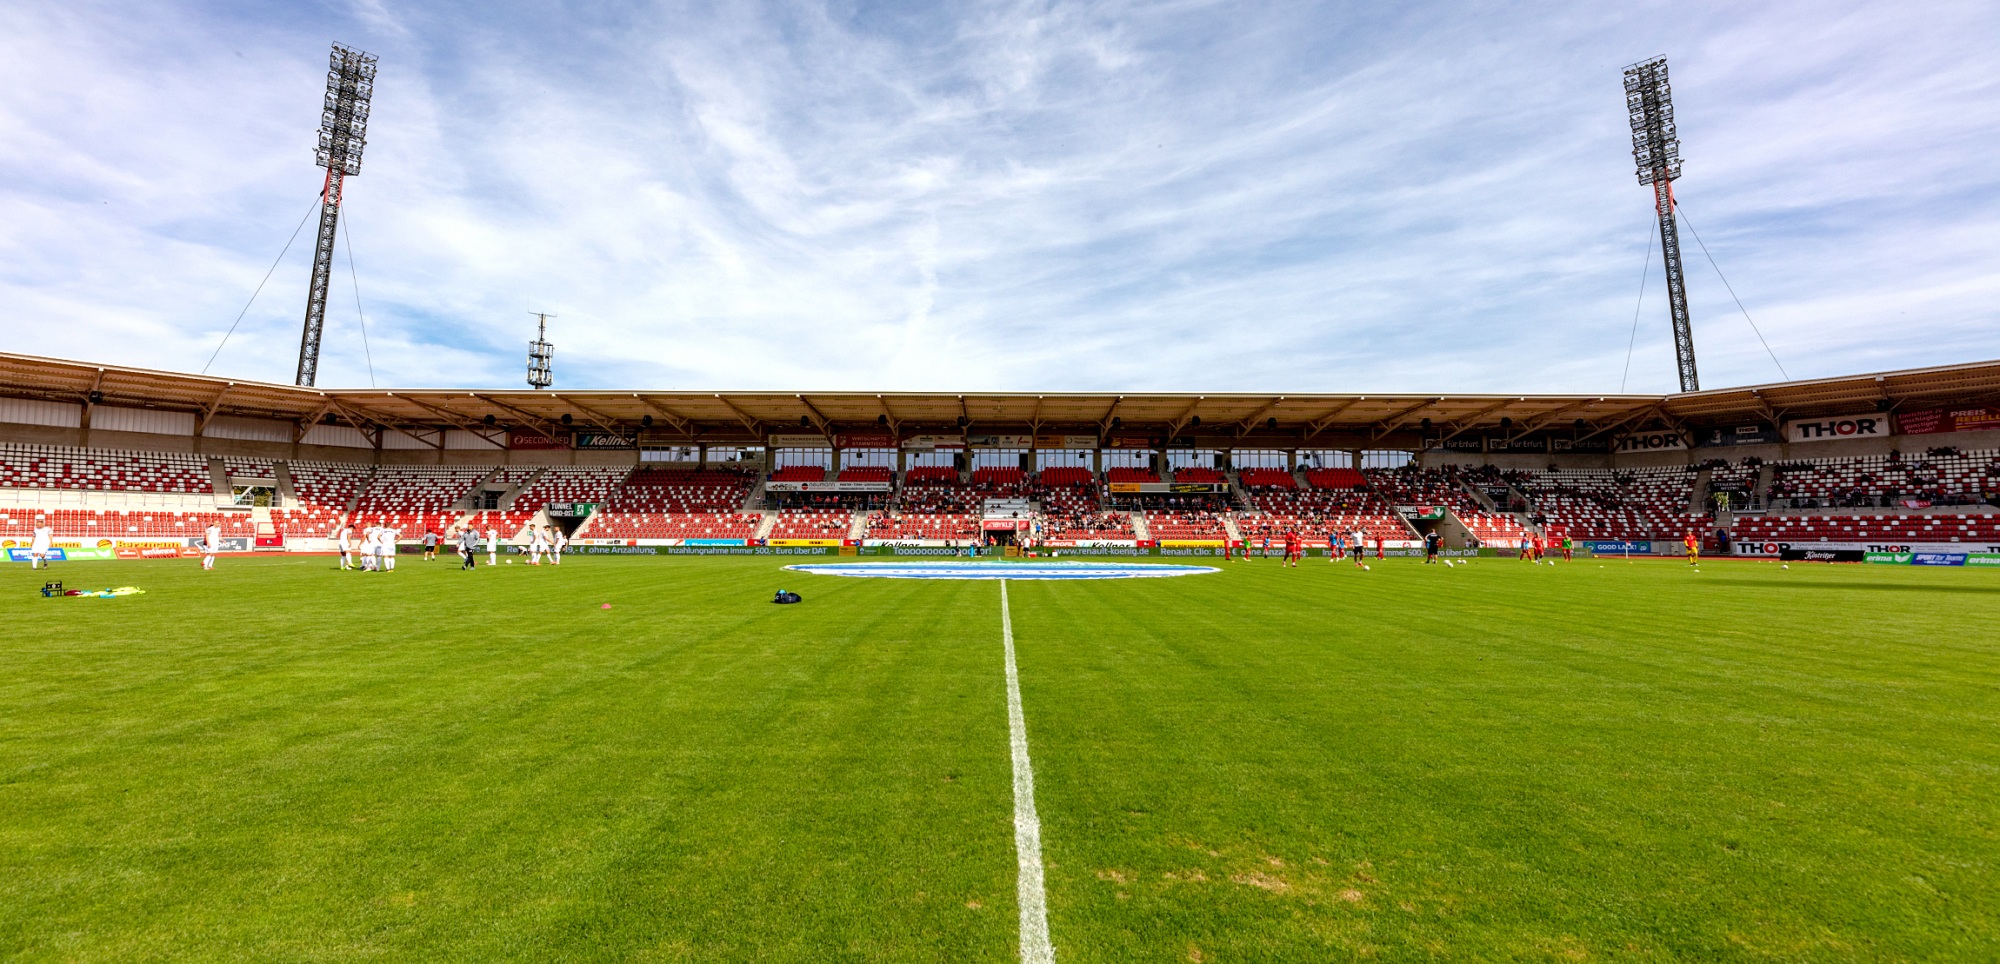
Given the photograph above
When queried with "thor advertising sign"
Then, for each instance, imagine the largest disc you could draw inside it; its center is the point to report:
(1832, 429)
(1666, 441)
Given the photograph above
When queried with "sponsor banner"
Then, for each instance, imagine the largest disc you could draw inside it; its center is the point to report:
(869, 440)
(806, 542)
(1184, 488)
(1741, 435)
(1065, 441)
(1665, 441)
(1598, 444)
(1598, 547)
(799, 442)
(1890, 558)
(1937, 558)
(1186, 543)
(1129, 442)
(849, 486)
(1503, 444)
(1000, 441)
(575, 510)
(1970, 418)
(603, 440)
(1822, 555)
(1829, 429)
(1982, 558)
(715, 542)
(1421, 513)
(1749, 547)
(926, 443)
(523, 439)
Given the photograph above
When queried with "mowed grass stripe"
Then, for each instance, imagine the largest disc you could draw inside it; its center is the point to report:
(440, 765)
(1507, 761)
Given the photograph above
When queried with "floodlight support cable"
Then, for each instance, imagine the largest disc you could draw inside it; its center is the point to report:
(355, 276)
(1632, 341)
(1739, 302)
(260, 285)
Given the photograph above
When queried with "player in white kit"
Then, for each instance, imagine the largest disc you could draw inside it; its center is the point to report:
(492, 547)
(389, 535)
(535, 546)
(38, 550)
(371, 560)
(211, 543)
(344, 536)
(558, 541)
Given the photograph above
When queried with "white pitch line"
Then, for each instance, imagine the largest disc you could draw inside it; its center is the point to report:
(1035, 946)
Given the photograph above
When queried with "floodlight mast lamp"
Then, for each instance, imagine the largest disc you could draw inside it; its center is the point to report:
(1656, 151)
(541, 354)
(343, 132)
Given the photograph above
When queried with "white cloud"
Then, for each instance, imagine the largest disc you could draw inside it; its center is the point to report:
(1011, 196)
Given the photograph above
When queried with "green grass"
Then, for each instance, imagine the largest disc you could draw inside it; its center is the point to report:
(277, 761)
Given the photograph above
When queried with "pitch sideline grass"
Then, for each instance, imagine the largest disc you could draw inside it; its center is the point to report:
(278, 761)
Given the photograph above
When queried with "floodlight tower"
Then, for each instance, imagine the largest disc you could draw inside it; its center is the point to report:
(541, 354)
(343, 132)
(1656, 150)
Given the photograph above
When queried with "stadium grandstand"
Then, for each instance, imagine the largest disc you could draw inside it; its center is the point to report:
(119, 455)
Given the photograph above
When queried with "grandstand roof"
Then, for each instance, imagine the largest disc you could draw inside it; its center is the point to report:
(1241, 418)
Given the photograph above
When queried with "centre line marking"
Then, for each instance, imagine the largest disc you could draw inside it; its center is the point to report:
(1035, 946)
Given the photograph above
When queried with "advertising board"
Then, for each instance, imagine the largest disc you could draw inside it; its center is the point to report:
(1662, 441)
(1833, 429)
(1967, 418)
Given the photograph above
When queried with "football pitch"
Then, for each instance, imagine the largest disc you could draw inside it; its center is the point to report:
(1623, 761)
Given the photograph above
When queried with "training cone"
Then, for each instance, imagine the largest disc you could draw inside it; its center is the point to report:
(605, 606)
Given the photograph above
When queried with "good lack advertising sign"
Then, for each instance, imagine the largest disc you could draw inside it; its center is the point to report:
(1834, 429)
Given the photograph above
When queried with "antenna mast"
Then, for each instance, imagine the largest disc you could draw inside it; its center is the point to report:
(1656, 150)
(343, 132)
(541, 354)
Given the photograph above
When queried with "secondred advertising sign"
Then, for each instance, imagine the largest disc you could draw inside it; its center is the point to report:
(523, 439)
(859, 441)
(1971, 418)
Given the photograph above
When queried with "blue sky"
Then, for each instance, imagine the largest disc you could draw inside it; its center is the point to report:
(1008, 196)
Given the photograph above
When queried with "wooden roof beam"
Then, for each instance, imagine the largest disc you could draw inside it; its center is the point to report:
(1536, 424)
(680, 422)
(1467, 424)
(819, 419)
(549, 429)
(1174, 427)
(1317, 425)
(460, 420)
(602, 420)
(756, 427)
(1111, 412)
(1247, 425)
(1384, 426)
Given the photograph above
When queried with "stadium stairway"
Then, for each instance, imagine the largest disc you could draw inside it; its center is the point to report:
(1229, 530)
(1698, 492)
(288, 495)
(218, 476)
(1139, 530)
(858, 528)
(770, 521)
